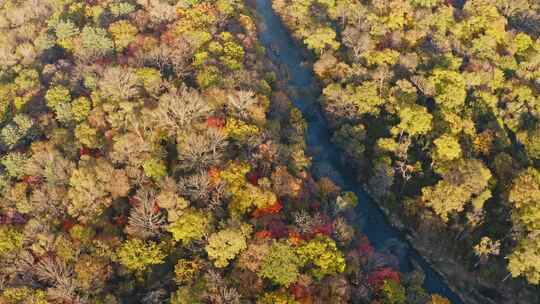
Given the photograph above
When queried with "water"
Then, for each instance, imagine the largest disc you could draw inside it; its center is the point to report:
(283, 51)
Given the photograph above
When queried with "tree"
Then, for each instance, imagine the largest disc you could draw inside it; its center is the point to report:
(323, 254)
(93, 187)
(224, 245)
(88, 136)
(94, 43)
(185, 271)
(437, 299)
(154, 168)
(525, 260)
(426, 3)
(276, 298)
(414, 120)
(447, 148)
(14, 164)
(56, 96)
(137, 255)
(177, 109)
(464, 182)
(524, 197)
(281, 264)
(244, 195)
(119, 84)
(321, 40)
(199, 151)
(253, 256)
(445, 199)
(123, 33)
(347, 200)
(393, 293)
(20, 128)
(144, 220)
(240, 131)
(486, 248)
(191, 225)
(450, 89)
(10, 240)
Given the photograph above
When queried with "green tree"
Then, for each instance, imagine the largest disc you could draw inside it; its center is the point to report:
(281, 264)
(137, 255)
(414, 120)
(450, 89)
(447, 148)
(224, 245)
(185, 271)
(244, 195)
(321, 40)
(13, 133)
(123, 33)
(191, 225)
(524, 197)
(10, 240)
(94, 43)
(93, 187)
(276, 298)
(14, 164)
(393, 293)
(323, 254)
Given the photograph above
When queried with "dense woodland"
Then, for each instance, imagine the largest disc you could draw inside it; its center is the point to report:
(148, 157)
(437, 106)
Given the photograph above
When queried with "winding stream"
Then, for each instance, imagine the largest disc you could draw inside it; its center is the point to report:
(283, 51)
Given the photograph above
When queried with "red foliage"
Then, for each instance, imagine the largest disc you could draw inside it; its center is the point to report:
(324, 229)
(253, 177)
(136, 45)
(132, 49)
(103, 61)
(156, 208)
(215, 122)
(67, 225)
(300, 291)
(295, 238)
(168, 38)
(247, 43)
(263, 234)
(278, 229)
(12, 217)
(96, 153)
(122, 59)
(275, 208)
(84, 151)
(377, 278)
(213, 174)
(133, 201)
(120, 220)
(315, 206)
(33, 179)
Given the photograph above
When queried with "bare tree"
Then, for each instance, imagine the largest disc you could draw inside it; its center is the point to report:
(144, 220)
(241, 102)
(119, 84)
(196, 187)
(201, 151)
(178, 109)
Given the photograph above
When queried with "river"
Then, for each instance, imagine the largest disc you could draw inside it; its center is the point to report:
(285, 53)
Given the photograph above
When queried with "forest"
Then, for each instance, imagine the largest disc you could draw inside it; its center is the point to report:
(436, 105)
(149, 152)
